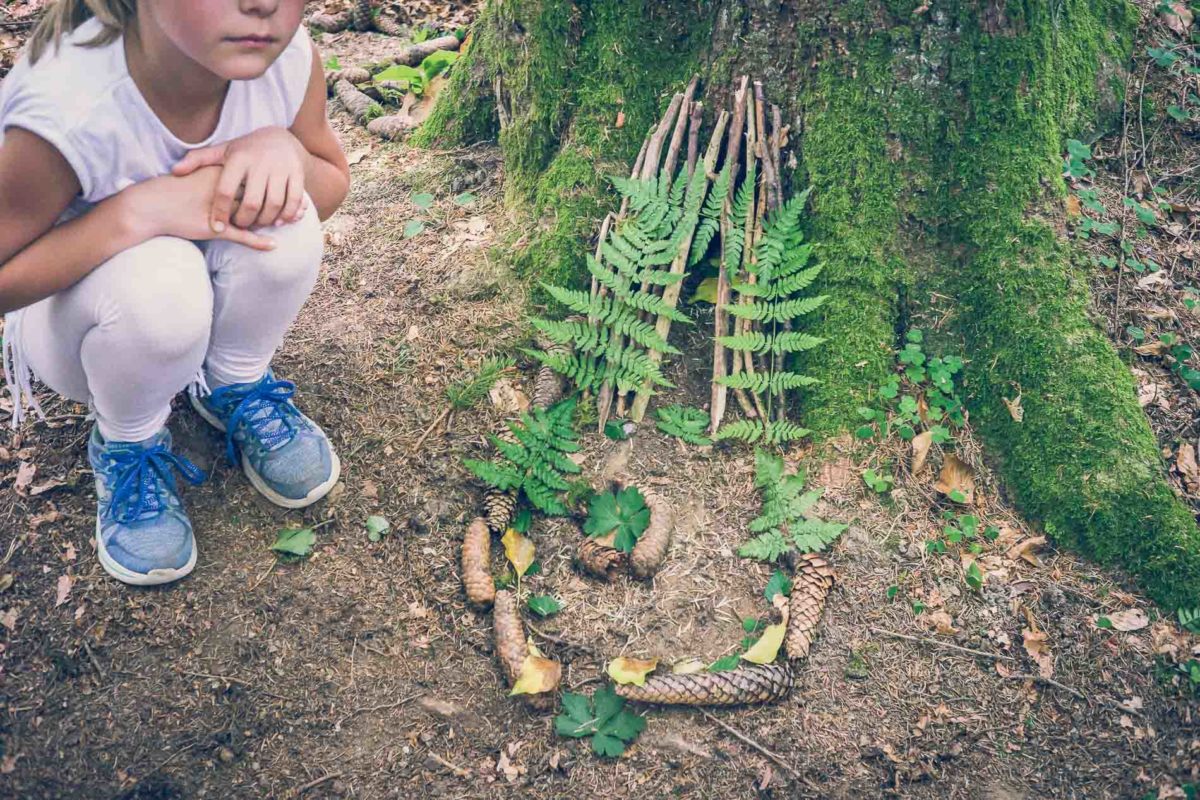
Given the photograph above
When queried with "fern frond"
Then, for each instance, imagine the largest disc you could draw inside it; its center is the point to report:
(796, 283)
(785, 523)
(710, 215)
(761, 382)
(814, 535)
(752, 430)
(685, 423)
(655, 305)
(793, 342)
(754, 341)
(790, 309)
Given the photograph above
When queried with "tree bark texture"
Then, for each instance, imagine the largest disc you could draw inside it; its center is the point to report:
(931, 134)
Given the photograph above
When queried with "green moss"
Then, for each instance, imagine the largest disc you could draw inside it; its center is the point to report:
(1083, 460)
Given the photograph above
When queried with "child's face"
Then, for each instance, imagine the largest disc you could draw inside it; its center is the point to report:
(235, 39)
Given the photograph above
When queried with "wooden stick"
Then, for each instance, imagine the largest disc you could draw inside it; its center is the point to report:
(1048, 681)
(671, 292)
(748, 741)
(733, 157)
(681, 124)
(776, 140)
(654, 153)
(742, 326)
(936, 643)
(315, 783)
(597, 288)
(694, 123)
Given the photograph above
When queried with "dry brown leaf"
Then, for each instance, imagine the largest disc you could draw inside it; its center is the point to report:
(1038, 648)
(942, 622)
(25, 472)
(508, 399)
(63, 589)
(1027, 550)
(1014, 408)
(1153, 279)
(1073, 209)
(1185, 462)
(620, 119)
(9, 619)
(1131, 619)
(1154, 348)
(1178, 18)
(358, 155)
(956, 476)
(920, 448)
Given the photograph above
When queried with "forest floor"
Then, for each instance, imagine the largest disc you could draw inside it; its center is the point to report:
(360, 672)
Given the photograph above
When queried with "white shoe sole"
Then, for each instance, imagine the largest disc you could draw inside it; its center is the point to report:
(152, 578)
(256, 480)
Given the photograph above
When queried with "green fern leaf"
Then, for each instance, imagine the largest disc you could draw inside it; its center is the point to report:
(767, 547)
(685, 423)
(793, 342)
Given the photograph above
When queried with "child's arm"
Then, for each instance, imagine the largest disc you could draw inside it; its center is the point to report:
(38, 259)
(274, 166)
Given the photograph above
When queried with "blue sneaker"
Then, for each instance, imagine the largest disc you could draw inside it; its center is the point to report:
(286, 455)
(143, 535)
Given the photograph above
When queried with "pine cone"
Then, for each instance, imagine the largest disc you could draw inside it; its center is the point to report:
(350, 74)
(360, 15)
(510, 645)
(390, 127)
(499, 508)
(355, 102)
(547, 388)
(651, 549)
(600, 560)
(761, 683)
(476, 570)
(330, 23)
(814, 578)
(388, 25)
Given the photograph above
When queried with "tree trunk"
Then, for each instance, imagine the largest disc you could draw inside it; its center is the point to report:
(931, 134)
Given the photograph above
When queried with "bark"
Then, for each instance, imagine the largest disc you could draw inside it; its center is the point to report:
(931, 135)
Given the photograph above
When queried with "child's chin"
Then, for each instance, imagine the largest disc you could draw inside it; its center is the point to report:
(244, 67)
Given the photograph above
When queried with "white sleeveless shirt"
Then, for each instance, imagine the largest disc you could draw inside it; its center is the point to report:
(83, 101)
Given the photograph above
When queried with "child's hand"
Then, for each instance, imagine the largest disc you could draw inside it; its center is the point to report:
(265, 168)
(181, 206)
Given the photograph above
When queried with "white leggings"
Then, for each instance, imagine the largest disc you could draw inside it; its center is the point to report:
(141, 326)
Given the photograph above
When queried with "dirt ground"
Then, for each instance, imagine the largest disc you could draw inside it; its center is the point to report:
(361, 673)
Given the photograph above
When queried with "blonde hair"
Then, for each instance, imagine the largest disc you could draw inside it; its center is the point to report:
(67, 15)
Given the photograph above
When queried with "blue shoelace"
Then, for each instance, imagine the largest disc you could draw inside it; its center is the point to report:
(141, 474)
(265, 410)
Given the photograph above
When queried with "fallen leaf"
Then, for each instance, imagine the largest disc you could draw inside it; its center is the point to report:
(920, 449)
(1185, 462)
(1154, 348)
(358, 155)
(1026, 550)
(538, 675)
(46, 486)
(706, 292)
(1073, 209)
(8, 763)
(767, 647)
(620, 119)
(25, 473)
(942, 622)
(956, 480)
(1178, 17)
(507, 398)
(9, 619)
(519, 549)
(1133, 619)
(1153, 279)
(477, 225)
(1038, 648)
(1014, 408)
(63, 589)
(689, 666)
(370, 490)
(631, 670)
(414, 331)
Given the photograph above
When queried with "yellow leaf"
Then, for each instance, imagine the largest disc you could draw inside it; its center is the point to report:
(519, 549)
(538, 675)
(689, 666)
(631, 670)
(767, 646)
(706, 292)
(1073, 206)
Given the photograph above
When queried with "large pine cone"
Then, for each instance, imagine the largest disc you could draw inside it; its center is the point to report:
(814, 578)
(651, 549)
(761, 683)
(388, 25)
(600, 560)
(354, 75)
(511, 648)
(476, 569)
(360, 15)
(330, 23)
(499, 508)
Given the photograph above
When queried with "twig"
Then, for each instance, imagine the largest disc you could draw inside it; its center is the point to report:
(92, 657)
(433, 425)
(230, 679)
(681, 125)
(654, 152)
(263, 577)
(381, 707)
(549, 637)
(788, 768)
(936, 643)
(457, 770)
(697, 118)
(1050, 681)
(299, 790)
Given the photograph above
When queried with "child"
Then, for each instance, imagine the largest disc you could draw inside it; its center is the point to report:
(163, 165)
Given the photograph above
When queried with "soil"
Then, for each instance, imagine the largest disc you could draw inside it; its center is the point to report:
(361, 672)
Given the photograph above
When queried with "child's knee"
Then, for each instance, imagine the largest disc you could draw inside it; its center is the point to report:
(159, 298)
(293, 261)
